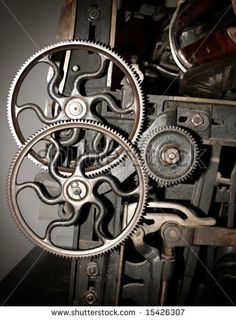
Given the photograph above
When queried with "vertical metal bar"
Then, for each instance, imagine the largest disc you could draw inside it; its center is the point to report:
(163, 292)
(112, 40)
(121, 258)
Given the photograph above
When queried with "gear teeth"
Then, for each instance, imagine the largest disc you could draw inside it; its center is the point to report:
(8, 193)
(95, 125)
(120, 159)
(163, 183)
(96, 45)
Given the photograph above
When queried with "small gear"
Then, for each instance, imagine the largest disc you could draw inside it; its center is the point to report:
(77, 191)
(74, 103)
(169, 155)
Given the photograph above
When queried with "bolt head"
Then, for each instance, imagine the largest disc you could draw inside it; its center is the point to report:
(90, 297)
(92, 269)
(75, 68)
(75, 190)
(75, 108)
(171, 233)
(170, 155)
(93, 13)
(197, 120)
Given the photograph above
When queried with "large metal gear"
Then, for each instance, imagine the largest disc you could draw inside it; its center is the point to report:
(169, 155)
(75, 103)
(77, 192)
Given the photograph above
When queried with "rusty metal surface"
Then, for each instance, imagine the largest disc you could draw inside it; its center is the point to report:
(214, 236)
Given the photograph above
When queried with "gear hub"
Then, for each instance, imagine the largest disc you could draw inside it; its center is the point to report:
(76, 189)
(169, 155)
(75, 108)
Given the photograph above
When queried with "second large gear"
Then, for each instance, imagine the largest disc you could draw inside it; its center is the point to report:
(69, 97)
(78, 193)
(169, 155)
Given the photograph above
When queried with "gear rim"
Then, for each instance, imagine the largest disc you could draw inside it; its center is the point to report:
(25, 229)
(127, 69)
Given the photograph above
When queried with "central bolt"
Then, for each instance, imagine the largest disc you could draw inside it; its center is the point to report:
(75, 108)
(76, 190)
(170, 155)
(75, 184)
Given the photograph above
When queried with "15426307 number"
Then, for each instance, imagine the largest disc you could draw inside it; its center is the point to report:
(165, 312)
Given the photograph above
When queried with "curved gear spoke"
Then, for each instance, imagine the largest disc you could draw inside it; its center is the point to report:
(115, 185)
(87, 158)
(71, 139)
(40, 193)
(48, 153)
(53, 162)
(61, 223)
(53, 83)
(111, 103)
(96, 142)
(90, 75)
(39, 112)
(100, 216)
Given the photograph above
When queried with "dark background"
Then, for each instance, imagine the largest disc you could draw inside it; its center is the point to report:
(25, 26)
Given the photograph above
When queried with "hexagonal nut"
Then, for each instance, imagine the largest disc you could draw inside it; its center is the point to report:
(170, 155)
(171, 232)
(93, 13)
(92, 269)
(90, 297)
(197, 120)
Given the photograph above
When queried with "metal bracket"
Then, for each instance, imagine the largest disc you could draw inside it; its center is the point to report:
(179, 232)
